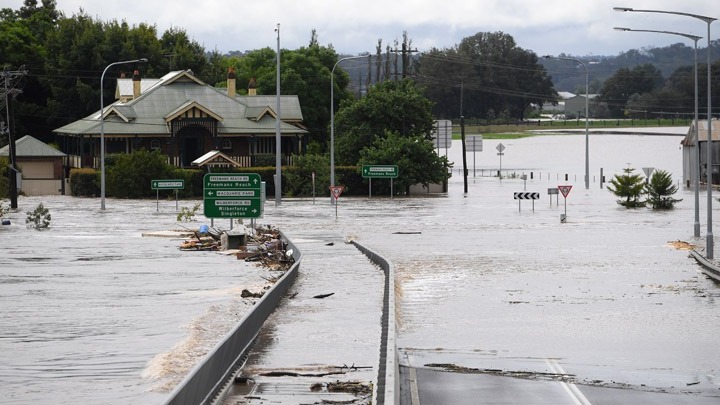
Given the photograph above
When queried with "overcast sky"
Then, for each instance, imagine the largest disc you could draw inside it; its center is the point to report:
(573, 27)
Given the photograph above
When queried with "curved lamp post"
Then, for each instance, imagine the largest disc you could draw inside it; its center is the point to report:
(587, 113)
(102, 127)
(708, 171)
(332, 116)
(696, 165)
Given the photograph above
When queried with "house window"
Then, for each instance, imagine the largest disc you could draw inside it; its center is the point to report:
(154, 144)
(226, 144)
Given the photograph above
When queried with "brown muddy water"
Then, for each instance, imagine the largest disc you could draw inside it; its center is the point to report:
(92, 312)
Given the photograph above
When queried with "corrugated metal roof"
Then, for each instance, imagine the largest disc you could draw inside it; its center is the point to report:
(289, 105)
(28, 146)
(177, 89)
(689, 139)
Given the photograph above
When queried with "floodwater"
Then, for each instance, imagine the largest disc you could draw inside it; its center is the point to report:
(93, 312)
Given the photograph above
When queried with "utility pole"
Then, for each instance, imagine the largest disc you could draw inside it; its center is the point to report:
(10, 82)
(405, 54)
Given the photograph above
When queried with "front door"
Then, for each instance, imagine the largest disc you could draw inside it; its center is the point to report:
(191, 149)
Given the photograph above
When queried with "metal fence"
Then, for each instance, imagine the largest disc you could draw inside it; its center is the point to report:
(206, 381)
(387, 389)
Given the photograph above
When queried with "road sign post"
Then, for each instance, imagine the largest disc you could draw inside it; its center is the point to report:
(526, 196)
(565, 190)
(380, 172)
(335, 192)
(232, 195)
(474, 144)
(500, 148)
(167, 184)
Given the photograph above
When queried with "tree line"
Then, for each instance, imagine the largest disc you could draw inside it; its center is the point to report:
(386, 101)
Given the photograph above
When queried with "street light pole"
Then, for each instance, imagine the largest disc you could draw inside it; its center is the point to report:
(587, 114)
(709, 250)
(696, 164)
(278, 138)
(332, 116)
(102, 127)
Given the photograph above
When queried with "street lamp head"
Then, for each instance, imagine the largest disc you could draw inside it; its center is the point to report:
(623, 8)
(621, 29)
(142, 60)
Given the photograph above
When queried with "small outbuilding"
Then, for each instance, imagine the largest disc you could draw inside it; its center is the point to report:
(690, 142)
(40, 165)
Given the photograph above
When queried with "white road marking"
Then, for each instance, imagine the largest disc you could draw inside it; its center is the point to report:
(571, 389)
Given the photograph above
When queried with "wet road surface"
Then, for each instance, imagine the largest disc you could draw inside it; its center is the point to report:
(484, 282)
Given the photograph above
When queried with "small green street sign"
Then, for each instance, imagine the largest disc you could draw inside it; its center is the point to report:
(232, 195)
(167, 184)
(379, 171)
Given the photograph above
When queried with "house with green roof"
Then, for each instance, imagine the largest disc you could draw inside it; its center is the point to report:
(40, 166)
(184, 119)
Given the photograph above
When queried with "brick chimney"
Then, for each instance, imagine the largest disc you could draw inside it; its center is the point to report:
(231, 82)
(136, 84)
(252, 87)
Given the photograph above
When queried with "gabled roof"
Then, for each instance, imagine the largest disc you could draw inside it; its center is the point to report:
(189, 105)
(689, 139)
(289, 106)
(27, 146)
(215, 158)
(257, 113)
(125, 112)
(179, 91)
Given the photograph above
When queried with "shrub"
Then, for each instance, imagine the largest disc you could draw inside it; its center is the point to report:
(129, 175)
(629, 186)
(85, 182)
(39, 218)
(3, 210)
(188, 214)
(660, 189)
(299, 176)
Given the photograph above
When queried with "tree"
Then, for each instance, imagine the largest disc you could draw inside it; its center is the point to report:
(490, 71)
(389, 107)
(618, 89)
(392, 124)
(628, 186)
(660, 189)
(129, 174)
(304, 72)
(414, 156)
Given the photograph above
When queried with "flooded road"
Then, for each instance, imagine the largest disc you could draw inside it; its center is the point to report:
(91, 309)
(92, 312)
(484, 283)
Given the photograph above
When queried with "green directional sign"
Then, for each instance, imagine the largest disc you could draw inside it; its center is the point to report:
(232, 195)
(380, 171)
(167, 184)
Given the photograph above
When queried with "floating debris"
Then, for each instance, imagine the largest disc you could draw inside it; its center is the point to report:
(681, 245)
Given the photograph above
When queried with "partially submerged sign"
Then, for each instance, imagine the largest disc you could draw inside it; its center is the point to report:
(232, 195)
(336, 191)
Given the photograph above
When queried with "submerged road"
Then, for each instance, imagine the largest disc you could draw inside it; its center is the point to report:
(501, 303)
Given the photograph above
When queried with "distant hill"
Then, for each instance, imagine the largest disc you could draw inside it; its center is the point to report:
(565, 76)
(667, 59)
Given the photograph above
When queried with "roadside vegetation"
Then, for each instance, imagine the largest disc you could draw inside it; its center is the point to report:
(635, 191)
(385, 117)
